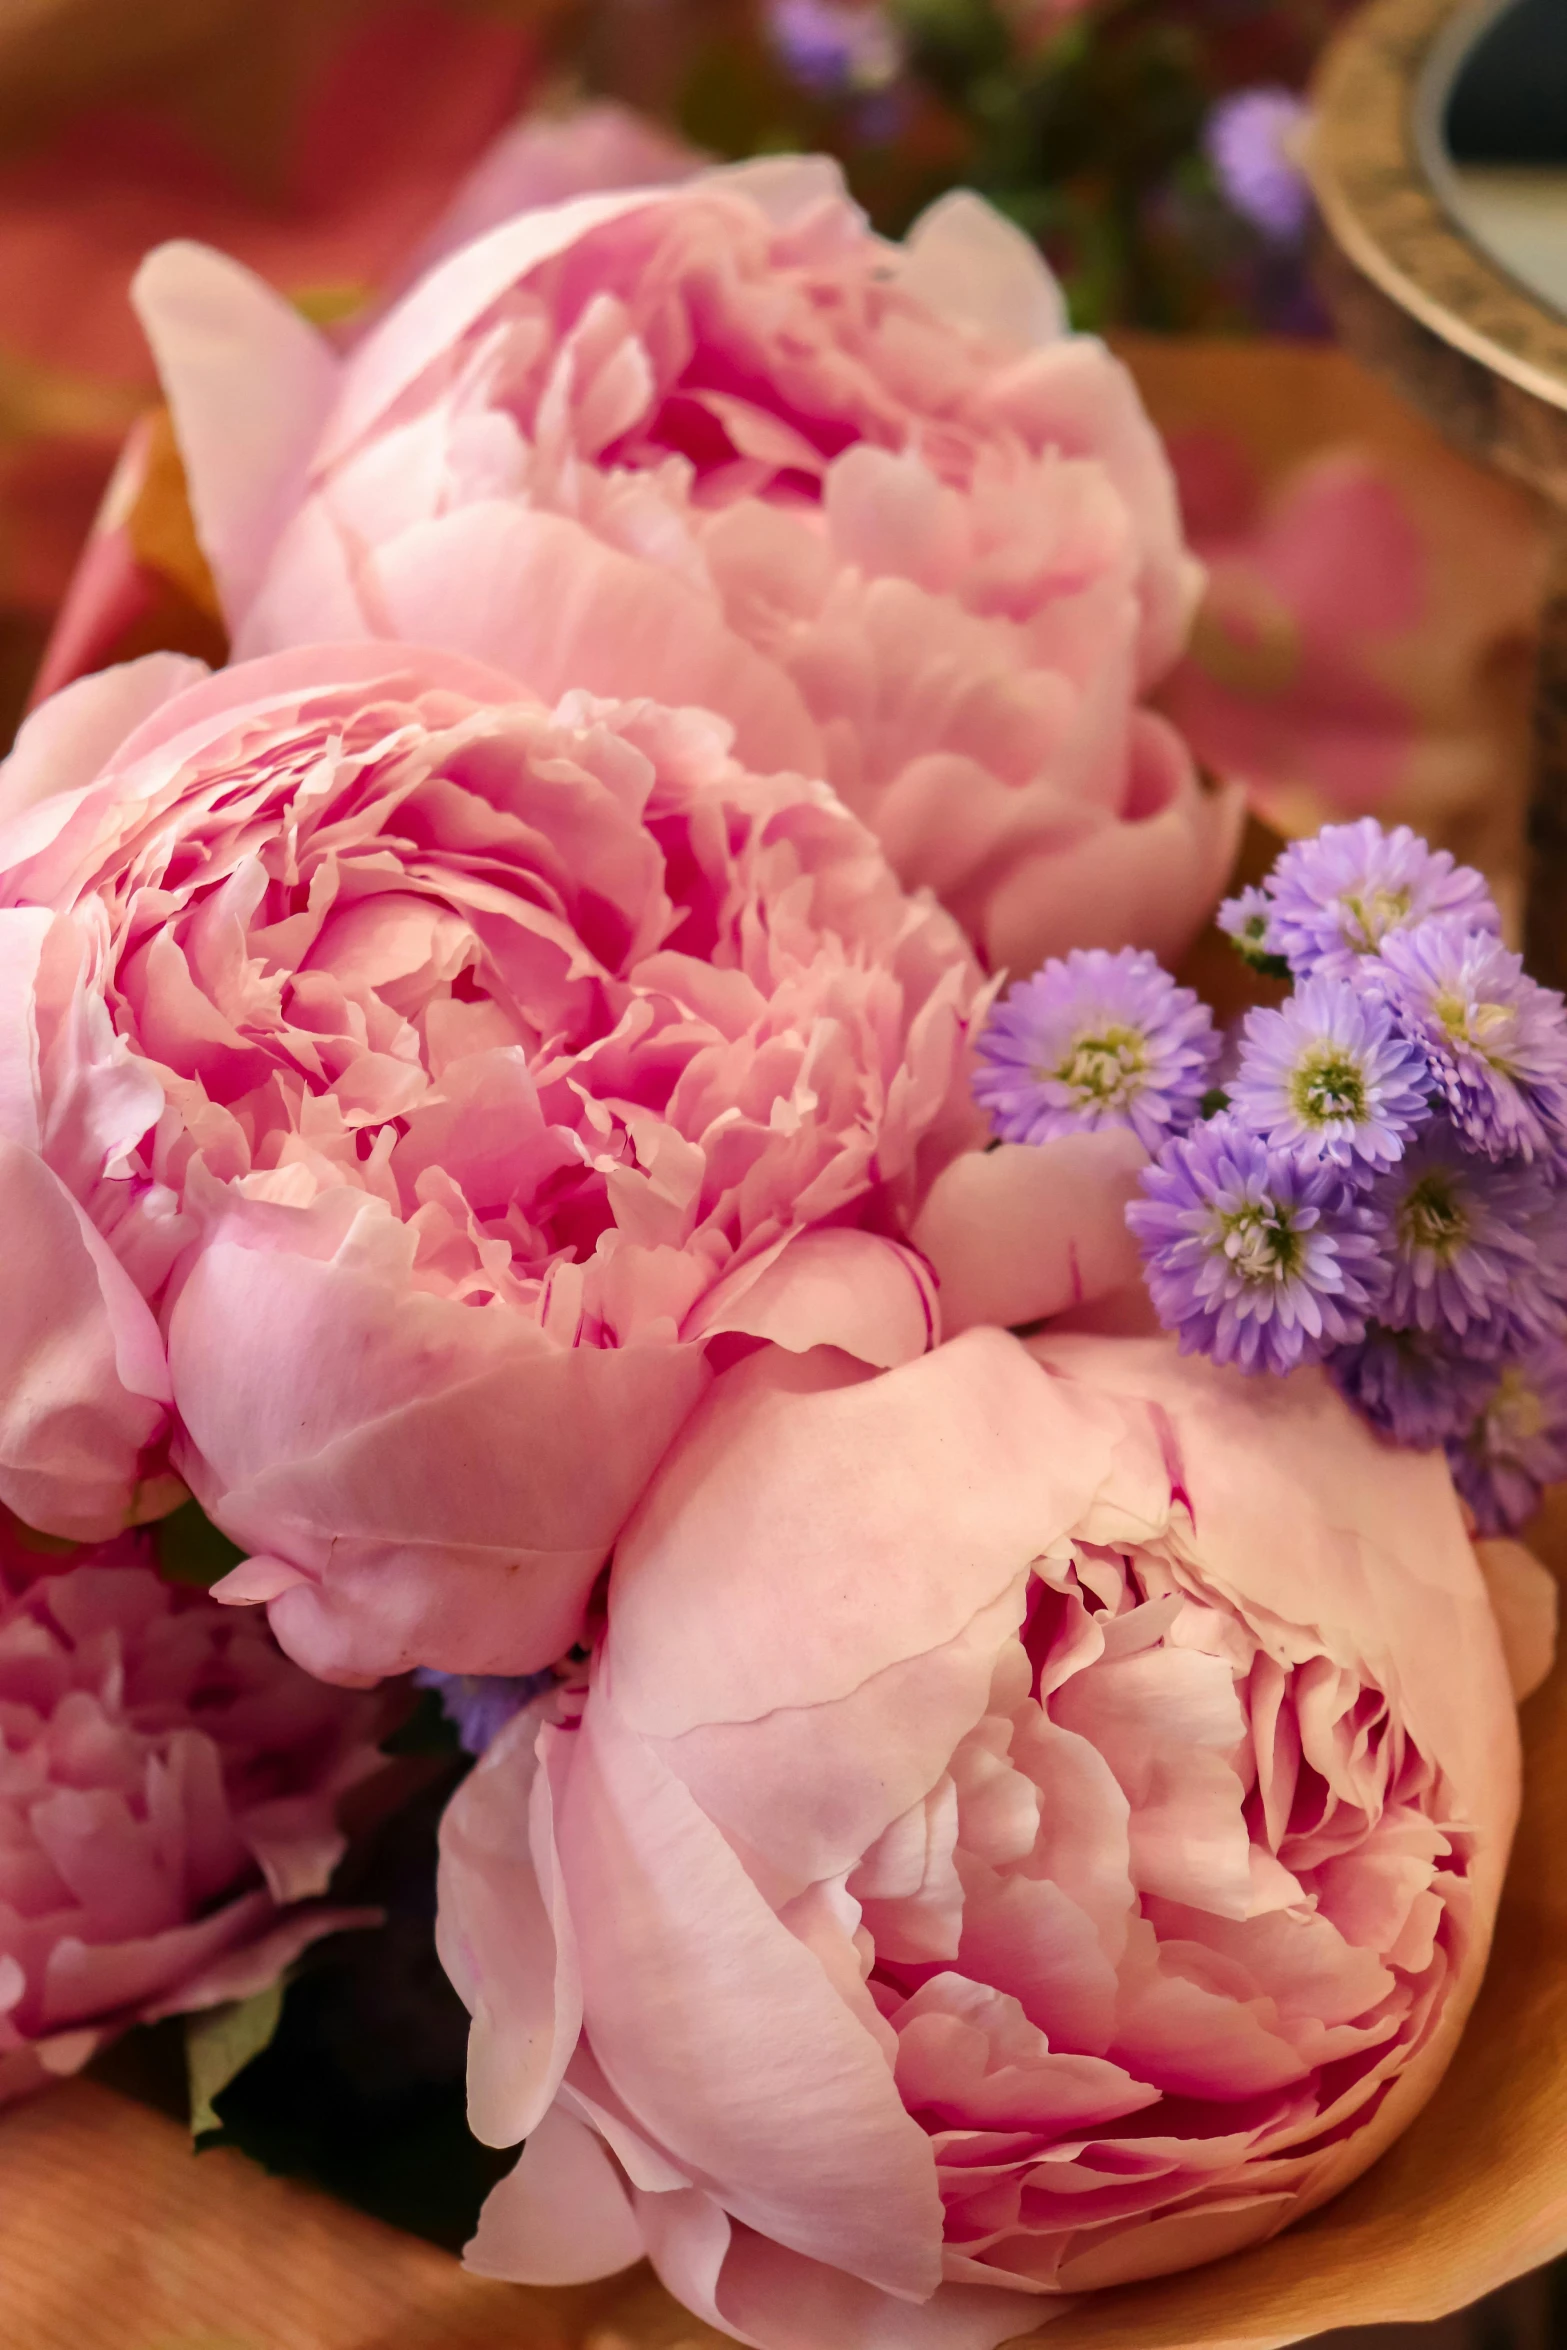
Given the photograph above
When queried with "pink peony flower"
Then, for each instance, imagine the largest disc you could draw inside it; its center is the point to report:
(719, 444)
(474, 1067)
(168, 1792)
(1034, 1822)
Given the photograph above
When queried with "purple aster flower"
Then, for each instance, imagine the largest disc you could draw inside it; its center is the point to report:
(1465, 1252)
(1547, 1230)
(1247, 922)
(479, 1705)
(1249, 138)
(1331, 1076)
(1095, 1040)
(1414, 1385)
(1495, 1040)
(1518, 1444)
(1253, 1256)
(835, 46)
(1339, 895)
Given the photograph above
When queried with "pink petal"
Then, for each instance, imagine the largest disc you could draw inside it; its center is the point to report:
(70, 737)
(974, 267)
(1153, 875)
(1525, 1602)
(814, 1786)
(505, 1935)
(776, 2299)
(451, 299)
(250, 384)
(82, 1376)
(1028, 1230)
(861, 1470)
(447, 1477)
(23, 930)
(561, 2217)
(711, 2021)
(1263, 1462)
(538, 596)
(851, 1290)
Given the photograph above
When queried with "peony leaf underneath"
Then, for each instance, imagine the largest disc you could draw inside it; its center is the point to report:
(219, 2043)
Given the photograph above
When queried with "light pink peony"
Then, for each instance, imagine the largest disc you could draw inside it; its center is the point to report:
(719, 444)
(500, 1059)
(168, 1795)
(1035, 1822)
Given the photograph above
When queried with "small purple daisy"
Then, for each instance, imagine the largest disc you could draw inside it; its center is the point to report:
(835, 47)
(1464, 1252)
(479, 1705)
(1095, 1039)
(1341, 894)
(1495, 1040)
(1253, 1257)
(1247, 922)
(1330, 1076)
(1249, 136)
(1413, 1385)
(1518, 1444)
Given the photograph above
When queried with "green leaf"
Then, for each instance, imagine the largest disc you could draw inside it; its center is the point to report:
(190, 1548)
(220, 2042)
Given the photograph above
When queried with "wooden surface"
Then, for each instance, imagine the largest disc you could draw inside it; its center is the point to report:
(115, 2236)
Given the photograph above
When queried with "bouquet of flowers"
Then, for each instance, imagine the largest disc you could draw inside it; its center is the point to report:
(600, 1122)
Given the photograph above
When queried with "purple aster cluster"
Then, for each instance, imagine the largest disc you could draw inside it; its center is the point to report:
(1380, 1184)
(1095, 1039)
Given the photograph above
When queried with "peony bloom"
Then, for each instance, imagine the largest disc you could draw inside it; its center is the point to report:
(1034, 1822)
(475, 1066)
(719, 444)
(168, 1790)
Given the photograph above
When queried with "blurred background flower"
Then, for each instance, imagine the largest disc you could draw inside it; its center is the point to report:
(318, 140)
